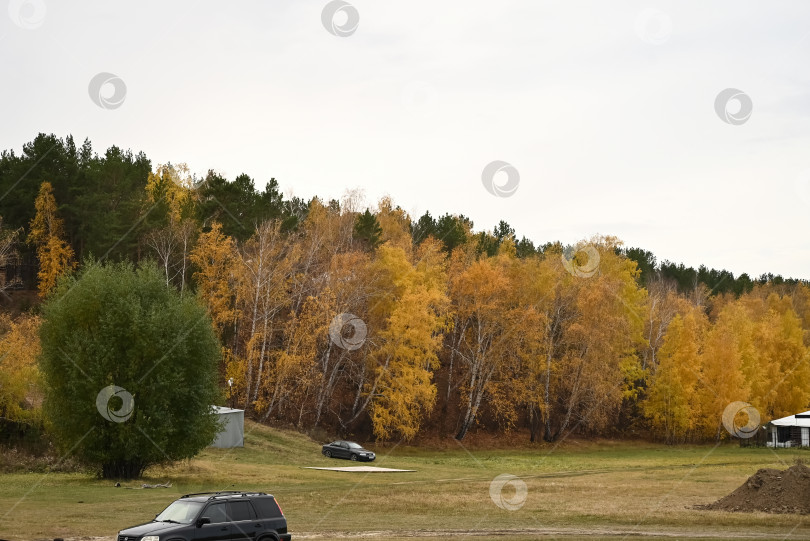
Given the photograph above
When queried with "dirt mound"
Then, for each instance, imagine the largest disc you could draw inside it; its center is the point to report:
(772, 491)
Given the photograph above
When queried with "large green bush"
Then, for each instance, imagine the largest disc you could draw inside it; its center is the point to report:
(130, 368)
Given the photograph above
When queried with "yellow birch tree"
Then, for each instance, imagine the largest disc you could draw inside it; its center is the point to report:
(409, 340)
(46, 233)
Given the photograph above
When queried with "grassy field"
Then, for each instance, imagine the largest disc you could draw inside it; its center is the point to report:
(574, 490)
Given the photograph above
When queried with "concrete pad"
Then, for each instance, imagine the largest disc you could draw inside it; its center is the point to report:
(361, 469)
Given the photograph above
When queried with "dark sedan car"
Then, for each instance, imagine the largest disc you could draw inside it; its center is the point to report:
(347, 449)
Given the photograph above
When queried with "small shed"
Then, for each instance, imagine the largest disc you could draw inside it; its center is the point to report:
(233, 428)
(790, 431)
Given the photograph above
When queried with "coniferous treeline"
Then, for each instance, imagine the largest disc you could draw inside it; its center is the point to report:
(367, 320)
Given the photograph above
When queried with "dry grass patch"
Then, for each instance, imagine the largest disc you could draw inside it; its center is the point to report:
(576, 489)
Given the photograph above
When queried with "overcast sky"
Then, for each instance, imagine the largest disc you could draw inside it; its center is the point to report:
(605, 109)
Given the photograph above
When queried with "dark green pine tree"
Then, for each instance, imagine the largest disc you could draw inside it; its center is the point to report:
(367, 229)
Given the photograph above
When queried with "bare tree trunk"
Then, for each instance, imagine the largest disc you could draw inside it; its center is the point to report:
(533, 414)
(254, 317)
(372, 392)
(359, 389)
(262, 353)
(188, 231)
(572, 399)
(547, 396)
(301, 410)
(467, 421)
(473, 406)
(479, 379)
(327, 386)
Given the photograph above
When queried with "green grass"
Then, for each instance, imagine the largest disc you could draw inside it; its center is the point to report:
(575, 489)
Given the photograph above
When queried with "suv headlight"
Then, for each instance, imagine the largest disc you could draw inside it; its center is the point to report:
(151, 538)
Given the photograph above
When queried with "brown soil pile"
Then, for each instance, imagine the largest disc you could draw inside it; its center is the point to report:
(772, 491)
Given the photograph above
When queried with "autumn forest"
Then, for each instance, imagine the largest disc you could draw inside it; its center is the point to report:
(357, 319)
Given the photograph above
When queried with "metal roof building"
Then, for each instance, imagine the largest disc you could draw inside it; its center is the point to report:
(790, 431)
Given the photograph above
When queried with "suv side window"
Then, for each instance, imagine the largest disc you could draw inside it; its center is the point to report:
(266, 507)
(216, 512)
(240, 510)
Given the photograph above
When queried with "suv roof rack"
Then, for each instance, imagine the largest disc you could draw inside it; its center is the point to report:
(220, 493)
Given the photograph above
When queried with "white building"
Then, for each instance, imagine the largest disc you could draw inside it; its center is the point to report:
(791, 431)
(233, 428)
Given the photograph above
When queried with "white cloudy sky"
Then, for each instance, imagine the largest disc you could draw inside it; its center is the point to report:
(605, 108)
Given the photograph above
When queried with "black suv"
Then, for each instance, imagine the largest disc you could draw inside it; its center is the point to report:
(215, 516)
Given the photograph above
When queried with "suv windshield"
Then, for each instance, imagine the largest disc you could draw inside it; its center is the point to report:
(183, 512)
(354, 446)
